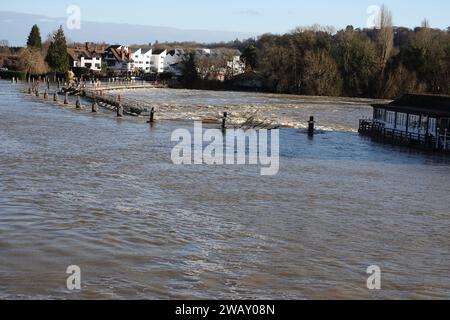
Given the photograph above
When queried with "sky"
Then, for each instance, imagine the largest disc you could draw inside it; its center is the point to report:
(258, 16)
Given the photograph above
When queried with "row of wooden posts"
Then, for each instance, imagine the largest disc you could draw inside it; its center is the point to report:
(78, 104)
(120, 110)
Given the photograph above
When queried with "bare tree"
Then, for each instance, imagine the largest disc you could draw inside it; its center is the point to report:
(384, 42)
(321, 74)
(32, 61)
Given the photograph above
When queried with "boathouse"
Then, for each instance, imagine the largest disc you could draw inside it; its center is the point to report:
(418, 120)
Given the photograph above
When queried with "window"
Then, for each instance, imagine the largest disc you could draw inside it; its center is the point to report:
(390, 117)
(379, 114)
(432, 126)
(424, 123)
(413, 124)
(401, 119)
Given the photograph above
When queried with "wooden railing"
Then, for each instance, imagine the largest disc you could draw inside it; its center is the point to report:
(378, 131)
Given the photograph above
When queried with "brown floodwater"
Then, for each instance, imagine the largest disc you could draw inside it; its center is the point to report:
(102, 193)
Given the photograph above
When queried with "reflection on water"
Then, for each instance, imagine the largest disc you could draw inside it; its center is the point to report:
(102, 193)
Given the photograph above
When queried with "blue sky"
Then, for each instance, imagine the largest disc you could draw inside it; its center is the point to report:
(239, 15)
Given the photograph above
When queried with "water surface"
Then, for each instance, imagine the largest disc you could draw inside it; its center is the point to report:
(103, 194)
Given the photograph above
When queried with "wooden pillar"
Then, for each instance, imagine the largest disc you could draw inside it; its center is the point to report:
(395, 120)
(311, 124)
(152, 116)
(224, 121)
(445, 138)
(78, 103)
(420, 128)
(119, 110)
(94, 106)
(55, 97)
(407, 123)
(46, 95)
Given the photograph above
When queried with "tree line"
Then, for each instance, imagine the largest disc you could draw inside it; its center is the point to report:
(383, 62)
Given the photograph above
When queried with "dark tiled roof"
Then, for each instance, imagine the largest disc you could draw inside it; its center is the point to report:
(77, 53)
(158, 51)
(117, 54)
(436, 105)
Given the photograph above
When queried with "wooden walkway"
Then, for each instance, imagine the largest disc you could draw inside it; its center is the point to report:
(99, 95)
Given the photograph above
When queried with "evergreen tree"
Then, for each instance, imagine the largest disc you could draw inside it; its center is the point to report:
(34, 39)
(190, 72)
(57, 56)
(249, 57)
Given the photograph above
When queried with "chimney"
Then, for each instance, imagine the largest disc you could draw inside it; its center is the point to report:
(87, 46)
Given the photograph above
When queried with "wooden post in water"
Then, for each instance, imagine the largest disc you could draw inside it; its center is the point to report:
(224, 121)
(12, 80)
(66, 98)
(311, 124)
(119, 111)
(37, 92)
(55, 97)
(445, 139)
(78, 103)
(45, 94)
(94, 106)
(152, 116)
(30, 91)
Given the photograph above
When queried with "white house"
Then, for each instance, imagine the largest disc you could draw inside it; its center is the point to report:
(142, 59)
(119, 59)
(236, 65)
(122, 59)
(85, 58)
(213, 63)
(157, 63)
(173, 58)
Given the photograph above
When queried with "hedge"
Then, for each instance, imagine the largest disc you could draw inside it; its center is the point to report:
(16, 74)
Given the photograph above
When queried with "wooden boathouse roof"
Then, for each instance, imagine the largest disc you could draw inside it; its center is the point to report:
(432, 105)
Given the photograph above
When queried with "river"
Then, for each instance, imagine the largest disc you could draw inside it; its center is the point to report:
(102, 193)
